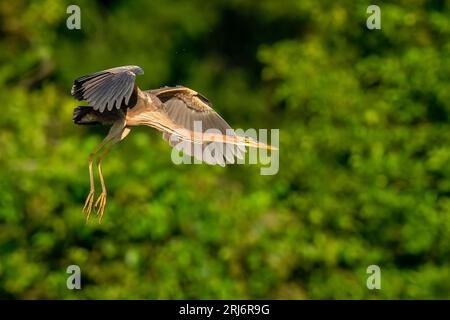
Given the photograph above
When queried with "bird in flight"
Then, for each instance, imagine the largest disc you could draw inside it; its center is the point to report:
(185, 117)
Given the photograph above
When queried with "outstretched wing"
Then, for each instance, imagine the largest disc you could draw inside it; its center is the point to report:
(108, 89)
(192, 111)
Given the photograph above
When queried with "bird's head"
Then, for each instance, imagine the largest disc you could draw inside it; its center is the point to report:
(136, 70)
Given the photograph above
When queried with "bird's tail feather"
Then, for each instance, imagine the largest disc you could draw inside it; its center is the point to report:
(85, 115)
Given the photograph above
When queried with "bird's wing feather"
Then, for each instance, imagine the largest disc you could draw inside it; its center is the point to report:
(108, 89)
(193, 112)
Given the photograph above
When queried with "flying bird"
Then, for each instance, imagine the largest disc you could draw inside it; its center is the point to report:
(185, 117)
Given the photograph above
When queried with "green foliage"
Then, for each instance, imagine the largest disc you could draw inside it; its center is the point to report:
(364, 172)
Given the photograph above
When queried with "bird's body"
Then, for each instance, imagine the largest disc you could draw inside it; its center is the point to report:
(183, 116)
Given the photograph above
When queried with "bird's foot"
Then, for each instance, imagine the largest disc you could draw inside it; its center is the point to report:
(100, 205)
(88, 204)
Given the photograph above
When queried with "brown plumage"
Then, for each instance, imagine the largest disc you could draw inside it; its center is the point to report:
(181, 114)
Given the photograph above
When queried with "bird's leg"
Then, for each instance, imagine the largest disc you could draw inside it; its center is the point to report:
(117, 133)
(90, 198)
(88, 203)
(101, 200)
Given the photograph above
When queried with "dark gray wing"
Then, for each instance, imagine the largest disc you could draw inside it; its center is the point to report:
(108, 89)
(194, 112)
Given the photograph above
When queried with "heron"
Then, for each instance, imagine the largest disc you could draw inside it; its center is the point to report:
(115, 100)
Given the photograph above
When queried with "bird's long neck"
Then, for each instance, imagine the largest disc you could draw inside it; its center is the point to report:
(143, 113)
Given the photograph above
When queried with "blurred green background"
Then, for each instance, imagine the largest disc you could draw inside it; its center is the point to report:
(364, 119)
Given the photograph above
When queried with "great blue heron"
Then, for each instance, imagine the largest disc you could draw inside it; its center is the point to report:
(115, 100)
